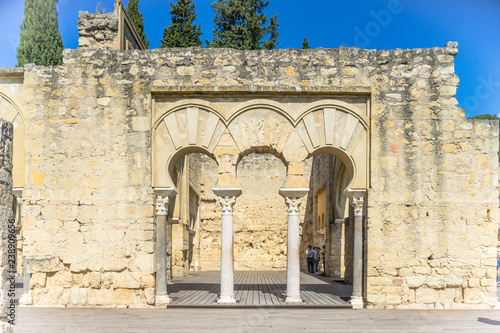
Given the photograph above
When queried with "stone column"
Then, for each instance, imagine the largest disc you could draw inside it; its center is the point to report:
(227, 199)
(293, 199)
(162, 200)
(357, 201)
(18, 201)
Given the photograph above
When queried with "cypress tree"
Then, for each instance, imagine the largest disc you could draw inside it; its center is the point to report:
(136, 16)
(182, 32)
(305, 44)
(40, 41)
(240, 24)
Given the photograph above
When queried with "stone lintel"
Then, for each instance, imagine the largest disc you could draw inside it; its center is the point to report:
(158, 91)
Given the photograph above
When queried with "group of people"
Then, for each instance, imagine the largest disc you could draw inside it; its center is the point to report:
(314, 256)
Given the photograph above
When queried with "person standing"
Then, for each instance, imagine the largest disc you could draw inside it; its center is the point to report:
(324, 260)
(310, 259)
(317, 258)
(498, 262)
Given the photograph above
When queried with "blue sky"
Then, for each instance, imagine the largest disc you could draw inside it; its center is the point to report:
(372, 24)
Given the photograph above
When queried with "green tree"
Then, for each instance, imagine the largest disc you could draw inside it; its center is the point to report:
(182, 32)
(489, 117)
(136, 16)
(40, 41)
(240, 24)
(305, 44)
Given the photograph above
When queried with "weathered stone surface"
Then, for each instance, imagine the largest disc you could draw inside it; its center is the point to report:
(45, 264)
(97, 30)
(7, 249)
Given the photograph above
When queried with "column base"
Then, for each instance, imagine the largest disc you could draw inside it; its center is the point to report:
(293, 299)
(226, 299)
(25, 299)
(357, 302)
(161, 301)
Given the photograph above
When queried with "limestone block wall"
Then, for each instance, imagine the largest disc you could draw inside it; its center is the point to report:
(432, 205)
(6, 265)
(432, 210)
(88, 208)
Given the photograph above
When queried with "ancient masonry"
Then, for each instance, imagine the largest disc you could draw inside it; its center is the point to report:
(131, 167)
(6, 135)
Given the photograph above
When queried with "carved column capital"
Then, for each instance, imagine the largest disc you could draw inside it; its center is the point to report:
(163, 195)
(293, 204)
(357, 203)
(293, 198)
(18, 194)
(162, 205)
(227, 197)
(227, 204)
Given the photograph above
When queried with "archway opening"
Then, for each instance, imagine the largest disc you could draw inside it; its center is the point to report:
(328, 221)
(260, 218)
(191, 215)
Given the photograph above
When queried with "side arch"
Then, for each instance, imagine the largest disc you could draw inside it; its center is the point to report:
(10, 110)
(179, 105)
(341, 132)
(186, 129)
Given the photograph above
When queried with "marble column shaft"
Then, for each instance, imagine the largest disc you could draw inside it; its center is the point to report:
(161, 245)
(357, 283)
(227, 251)
(293, 252)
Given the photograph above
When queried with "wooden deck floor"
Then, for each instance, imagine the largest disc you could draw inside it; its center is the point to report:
(257, 289)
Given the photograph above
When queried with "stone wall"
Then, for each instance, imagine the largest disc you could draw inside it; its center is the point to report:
(88, 208)
(432, 208)
(98, 30)
(6, 253)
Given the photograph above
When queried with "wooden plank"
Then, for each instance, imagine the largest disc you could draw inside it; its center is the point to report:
(265, 289)
(277, 287)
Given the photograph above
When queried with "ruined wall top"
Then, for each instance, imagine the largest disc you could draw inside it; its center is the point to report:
(98, 30)
(113, 31)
